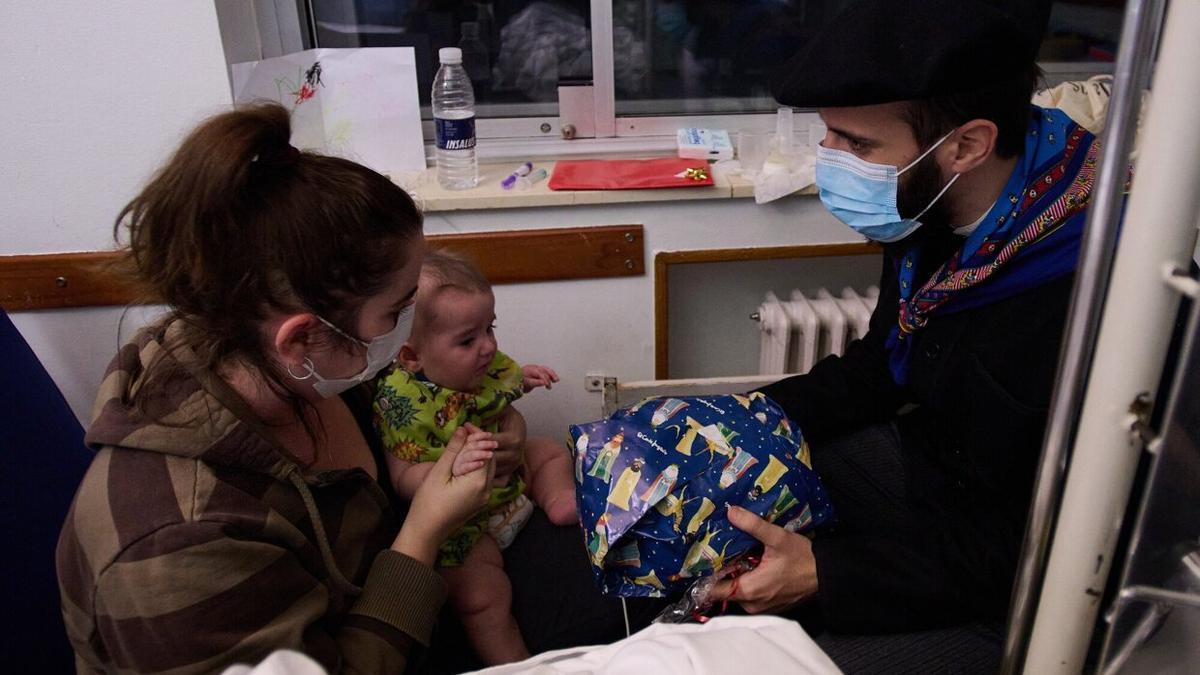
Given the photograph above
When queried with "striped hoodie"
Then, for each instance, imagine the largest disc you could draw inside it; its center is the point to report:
(195, 541)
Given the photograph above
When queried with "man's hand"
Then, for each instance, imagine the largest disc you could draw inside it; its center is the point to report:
(537, 376)
(786, 576)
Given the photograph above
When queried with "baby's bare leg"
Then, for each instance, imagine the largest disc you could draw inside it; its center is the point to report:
(482, 597)
(551, 479)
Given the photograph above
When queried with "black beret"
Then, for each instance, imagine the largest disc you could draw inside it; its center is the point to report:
(879, 51)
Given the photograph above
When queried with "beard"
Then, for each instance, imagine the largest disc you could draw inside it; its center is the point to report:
(924, 182)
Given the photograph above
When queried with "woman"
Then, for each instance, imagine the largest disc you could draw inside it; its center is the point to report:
(233, 508)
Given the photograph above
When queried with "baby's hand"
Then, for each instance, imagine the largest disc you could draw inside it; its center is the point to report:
(476, 452)
(538, 376)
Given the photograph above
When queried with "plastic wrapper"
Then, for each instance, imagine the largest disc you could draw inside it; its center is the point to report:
(697, 600)
(654, 481)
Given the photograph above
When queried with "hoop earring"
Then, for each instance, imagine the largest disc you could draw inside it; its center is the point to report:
(308, 364)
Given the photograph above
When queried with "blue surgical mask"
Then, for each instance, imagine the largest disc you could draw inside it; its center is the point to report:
(862, 194)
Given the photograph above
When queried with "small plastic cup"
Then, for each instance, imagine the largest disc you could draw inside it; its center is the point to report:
(752, 150)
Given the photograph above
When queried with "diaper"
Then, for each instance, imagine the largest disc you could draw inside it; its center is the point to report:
(507, 521)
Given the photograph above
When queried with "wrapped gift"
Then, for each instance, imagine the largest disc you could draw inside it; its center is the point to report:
(654, 481)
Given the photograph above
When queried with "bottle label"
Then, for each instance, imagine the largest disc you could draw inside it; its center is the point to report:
(455, 134)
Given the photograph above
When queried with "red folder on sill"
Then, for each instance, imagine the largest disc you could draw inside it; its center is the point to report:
(630, 174)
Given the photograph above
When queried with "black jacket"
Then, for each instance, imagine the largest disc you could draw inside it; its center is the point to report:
(981, 382)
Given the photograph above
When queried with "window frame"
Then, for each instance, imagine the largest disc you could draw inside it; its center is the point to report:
(283, 24)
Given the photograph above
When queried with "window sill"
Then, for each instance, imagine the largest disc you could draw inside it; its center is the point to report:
(489, 195)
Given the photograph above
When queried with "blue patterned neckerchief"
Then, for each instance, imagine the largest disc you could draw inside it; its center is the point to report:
(1028, 238)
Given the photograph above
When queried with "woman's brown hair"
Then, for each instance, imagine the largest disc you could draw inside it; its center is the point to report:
(239, 224)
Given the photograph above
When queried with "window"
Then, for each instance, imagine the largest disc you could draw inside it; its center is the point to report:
(635, 69)
(654, 58)
(516, 53)
(713, 57)
(1081, 39)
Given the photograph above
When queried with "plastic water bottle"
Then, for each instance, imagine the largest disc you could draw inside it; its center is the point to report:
(454, 119)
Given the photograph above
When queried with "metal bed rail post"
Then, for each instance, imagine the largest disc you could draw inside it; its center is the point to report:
(1159, 230)
(1138, 38)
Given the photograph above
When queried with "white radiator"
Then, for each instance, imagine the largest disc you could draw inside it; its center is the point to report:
(796, 333)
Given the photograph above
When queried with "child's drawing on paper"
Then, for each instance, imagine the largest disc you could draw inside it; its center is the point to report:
(339, 139)
(303, 87)
(312, 76)
(342, 132)
(357, 104)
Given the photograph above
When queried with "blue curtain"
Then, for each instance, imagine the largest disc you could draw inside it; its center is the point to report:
(42, 460)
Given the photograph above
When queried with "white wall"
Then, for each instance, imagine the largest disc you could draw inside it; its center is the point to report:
(607, 325)
(96, 95)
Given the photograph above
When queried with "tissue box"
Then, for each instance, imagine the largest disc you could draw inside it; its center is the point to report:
(654, 481)
(704, 144)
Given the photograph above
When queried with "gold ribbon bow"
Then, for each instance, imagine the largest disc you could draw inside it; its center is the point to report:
(696, 174)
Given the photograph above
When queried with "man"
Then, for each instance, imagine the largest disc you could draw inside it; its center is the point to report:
(927, 431)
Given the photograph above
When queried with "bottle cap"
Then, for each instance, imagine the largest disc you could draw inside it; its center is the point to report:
(450, 55)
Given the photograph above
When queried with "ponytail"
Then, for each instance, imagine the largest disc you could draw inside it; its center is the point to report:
(239, 223)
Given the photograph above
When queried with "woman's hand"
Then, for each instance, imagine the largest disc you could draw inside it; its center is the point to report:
(535, 376)
(476, 452)
(786, 576)
(445, 501)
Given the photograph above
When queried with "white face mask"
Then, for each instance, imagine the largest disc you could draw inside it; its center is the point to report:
(381, 351)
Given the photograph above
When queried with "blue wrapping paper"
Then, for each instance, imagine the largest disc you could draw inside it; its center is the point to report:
(654, 481)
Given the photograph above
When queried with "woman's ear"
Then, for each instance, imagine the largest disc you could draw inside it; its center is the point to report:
(409, 358)
(294, 337)
(973, 143)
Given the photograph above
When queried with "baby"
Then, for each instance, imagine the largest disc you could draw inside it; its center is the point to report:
(450, 374)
